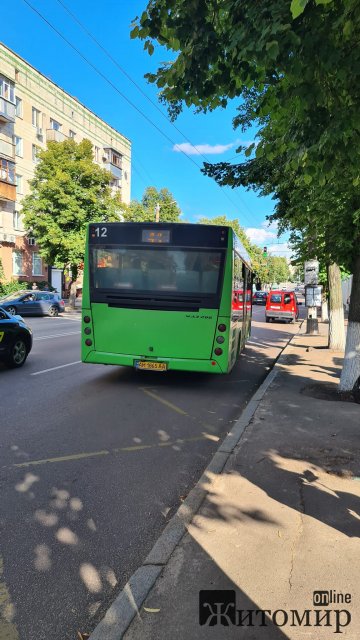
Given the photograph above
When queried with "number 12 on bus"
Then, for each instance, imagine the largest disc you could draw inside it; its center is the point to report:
(165, 297)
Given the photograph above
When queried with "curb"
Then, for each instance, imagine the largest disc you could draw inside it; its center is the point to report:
(126, 606)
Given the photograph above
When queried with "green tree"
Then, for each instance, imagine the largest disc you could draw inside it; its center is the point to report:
(296, 67)
(153, 201)
(67, 192)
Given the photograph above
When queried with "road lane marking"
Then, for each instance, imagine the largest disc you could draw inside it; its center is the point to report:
(163, 401)
(61, 366)
(75, 456)
(57, 335)
(8, 630)
(106, 452)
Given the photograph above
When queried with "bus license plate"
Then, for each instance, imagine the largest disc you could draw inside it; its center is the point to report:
(150, 366)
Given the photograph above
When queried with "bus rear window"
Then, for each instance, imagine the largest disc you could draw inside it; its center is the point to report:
(175, 271)
(275, 297)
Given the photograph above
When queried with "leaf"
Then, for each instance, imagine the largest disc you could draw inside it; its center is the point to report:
(249, 150)
(273, 49)
(347, 29)
(297, 7)
(148, 610)
(323, 1)
(307, 178)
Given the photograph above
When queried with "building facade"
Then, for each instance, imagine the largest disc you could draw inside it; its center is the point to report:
(33, 111)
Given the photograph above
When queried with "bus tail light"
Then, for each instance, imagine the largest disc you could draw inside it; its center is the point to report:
(222, 327)
(88, 342)
(218, 351)
(87, 319)
(220, 339)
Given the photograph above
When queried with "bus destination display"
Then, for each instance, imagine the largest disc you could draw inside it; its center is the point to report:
(155, 237)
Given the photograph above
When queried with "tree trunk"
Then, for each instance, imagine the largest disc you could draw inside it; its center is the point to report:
(351, 368)
(324, 309)
(336, 310)
(72, 294)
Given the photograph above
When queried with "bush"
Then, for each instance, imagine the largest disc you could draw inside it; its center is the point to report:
(13, 286)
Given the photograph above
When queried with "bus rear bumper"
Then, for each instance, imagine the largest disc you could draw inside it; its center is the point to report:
(173, 364)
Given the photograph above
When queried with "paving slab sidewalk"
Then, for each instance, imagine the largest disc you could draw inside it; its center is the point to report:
(280, 522)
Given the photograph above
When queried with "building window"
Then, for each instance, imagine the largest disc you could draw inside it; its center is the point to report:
(7, 171)
(18, 146)
(17, 258)
(36, 264)
(19, 107)
(31, 241)
(35, 151)
(19, 184)
(36, 117)
(72, 134)
(54, 124)
(7, 89)
(96, 154)
(17, 221)
(115, 182)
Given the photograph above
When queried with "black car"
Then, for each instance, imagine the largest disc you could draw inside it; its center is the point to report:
(33, 303)
(15, 339)
(259, 297)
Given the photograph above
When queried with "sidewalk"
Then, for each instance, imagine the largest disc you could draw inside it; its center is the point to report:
(281, 521)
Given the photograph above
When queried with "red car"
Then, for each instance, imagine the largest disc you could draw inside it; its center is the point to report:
(282, 305)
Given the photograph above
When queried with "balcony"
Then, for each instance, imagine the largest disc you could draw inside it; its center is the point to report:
(7, 191)
(116, 171)
(112, 156)
(7, 149)
(7, 111)
(53, 135)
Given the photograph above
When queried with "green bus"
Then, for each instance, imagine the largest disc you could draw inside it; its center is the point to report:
(164, 297)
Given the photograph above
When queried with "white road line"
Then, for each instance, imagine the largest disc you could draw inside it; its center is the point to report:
(74, 318)
(57, 335)
(61, 366)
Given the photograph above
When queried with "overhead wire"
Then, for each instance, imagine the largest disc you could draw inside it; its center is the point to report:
(104, 77)
(128, 76)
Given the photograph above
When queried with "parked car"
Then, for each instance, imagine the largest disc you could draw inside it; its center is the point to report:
(259, 297)
(281, 305)
(33, 303)
(15, 339)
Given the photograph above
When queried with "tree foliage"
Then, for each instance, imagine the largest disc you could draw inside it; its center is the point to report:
(296, 67)
(266, 269)
(145, 211)
(67, 192)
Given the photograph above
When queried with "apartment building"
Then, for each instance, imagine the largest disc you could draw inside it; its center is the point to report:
(33, 111)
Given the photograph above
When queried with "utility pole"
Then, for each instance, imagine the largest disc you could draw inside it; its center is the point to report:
(157, 212)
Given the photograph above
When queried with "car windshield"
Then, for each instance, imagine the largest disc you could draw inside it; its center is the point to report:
(275, 297)
(13, 296)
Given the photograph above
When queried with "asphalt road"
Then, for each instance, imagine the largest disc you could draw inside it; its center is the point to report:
(94, 461)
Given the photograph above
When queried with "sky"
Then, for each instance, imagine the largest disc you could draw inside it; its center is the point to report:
(85, 71)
